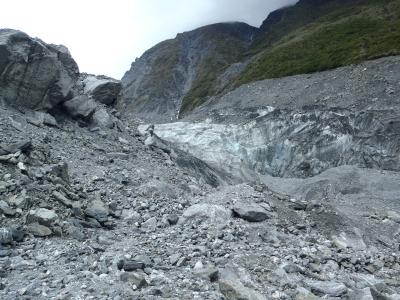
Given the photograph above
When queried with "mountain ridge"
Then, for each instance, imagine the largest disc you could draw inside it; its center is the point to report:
(179, 67)
(307, 37)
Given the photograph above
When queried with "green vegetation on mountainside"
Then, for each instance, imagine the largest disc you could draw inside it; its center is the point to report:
(349, 34)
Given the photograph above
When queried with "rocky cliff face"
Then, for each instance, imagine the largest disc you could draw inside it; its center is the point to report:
(174, 76)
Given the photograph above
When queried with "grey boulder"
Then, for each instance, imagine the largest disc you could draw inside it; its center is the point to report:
(134, 278)
(98, 210)
(101, 118)
(24, 146)
(332, 289)
(40, 118)
(251, 212)
(42, 216)
(39, 230)
(80, 107)
(102, 89)
(213, 213)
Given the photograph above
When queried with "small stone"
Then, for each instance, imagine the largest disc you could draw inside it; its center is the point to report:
(6, 237)
(6, 209)
(21, 166)
(19, 201)
(98, 210)
(298, 205)
(5, 253)
(41, 118)
(292, 268)
(17, 234)
(130, 265)
(303, 294)
(150, 224)
(173, 219)
(331, 288)
(62, 199)
(123, 141)
(233, 289)
(395, 217)
(364, 294)
(24, 146)
(174, 258)
(208, 272)
(181, 262)
(198, 266)
(134, 278)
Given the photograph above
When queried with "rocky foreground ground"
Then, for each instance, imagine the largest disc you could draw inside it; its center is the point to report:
(106, 214)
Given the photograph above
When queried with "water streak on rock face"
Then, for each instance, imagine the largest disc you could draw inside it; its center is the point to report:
(156, 85)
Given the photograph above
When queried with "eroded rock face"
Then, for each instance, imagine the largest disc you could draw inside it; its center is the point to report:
(34, 75)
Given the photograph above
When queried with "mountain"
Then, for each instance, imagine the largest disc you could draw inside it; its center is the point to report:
(178, 75)
(319, 35)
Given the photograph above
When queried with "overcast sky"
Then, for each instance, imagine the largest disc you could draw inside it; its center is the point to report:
(105, 36)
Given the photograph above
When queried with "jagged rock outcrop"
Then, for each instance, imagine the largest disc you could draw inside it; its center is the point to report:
(45, 78)
(33, 74)
(176, 74)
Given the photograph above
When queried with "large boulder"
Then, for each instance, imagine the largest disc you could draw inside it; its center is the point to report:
(102, 89)
(251, 212)
(215, 214)
(33, 74)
